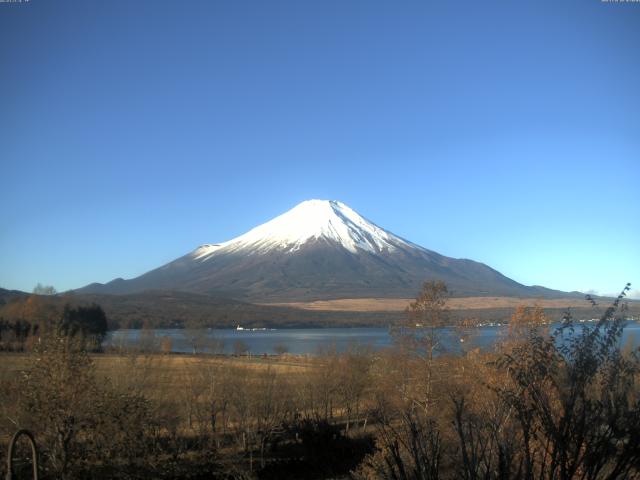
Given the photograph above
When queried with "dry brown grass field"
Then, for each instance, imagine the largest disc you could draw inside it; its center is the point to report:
(174, 366)
(399, 304)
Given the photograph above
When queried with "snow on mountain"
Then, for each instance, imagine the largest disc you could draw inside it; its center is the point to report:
(311, 220)
(318, 250)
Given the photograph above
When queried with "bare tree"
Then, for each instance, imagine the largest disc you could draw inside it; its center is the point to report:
(353, 379)
(271, 408)
(420, 336)
(78, 420)
(321, 384)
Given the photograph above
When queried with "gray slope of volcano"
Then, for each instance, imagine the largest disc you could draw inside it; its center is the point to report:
(319, 250)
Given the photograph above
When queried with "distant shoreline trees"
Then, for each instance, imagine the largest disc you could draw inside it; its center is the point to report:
(40, 289)
(24, 321)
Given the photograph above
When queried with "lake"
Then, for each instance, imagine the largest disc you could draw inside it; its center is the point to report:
(301, 341)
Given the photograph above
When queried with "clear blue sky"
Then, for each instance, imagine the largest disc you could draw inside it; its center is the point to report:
(505, 132)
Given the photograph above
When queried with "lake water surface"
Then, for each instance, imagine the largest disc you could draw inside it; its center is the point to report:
(302, 340)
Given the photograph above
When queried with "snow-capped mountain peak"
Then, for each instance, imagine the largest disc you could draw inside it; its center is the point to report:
(317, 250)
(311, 220)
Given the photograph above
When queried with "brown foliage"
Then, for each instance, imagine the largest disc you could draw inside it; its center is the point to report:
(541, 407)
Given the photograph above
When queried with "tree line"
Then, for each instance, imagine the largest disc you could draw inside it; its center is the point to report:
(23, 323)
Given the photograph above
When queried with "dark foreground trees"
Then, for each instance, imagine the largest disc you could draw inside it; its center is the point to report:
(25, 321)
(80, 422)
(574, 399)
(88, 426)
(86, 322)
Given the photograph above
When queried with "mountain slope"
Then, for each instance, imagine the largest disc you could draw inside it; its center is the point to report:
(9, 295)
(318, 250)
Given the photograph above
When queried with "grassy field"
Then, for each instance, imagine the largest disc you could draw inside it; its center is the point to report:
(173, 365)
(399, 304)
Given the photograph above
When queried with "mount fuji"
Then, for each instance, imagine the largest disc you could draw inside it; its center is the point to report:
(319, 250)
